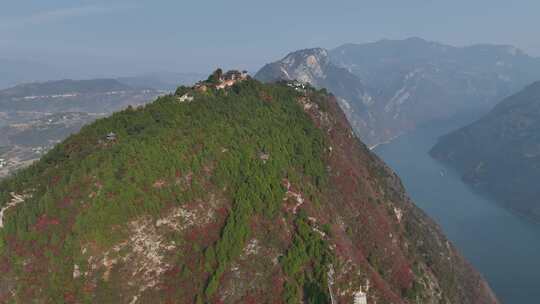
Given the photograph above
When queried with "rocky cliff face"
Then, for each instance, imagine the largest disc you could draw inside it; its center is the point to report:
(390, 87)
(248, 194)
(499, 154)
(313, 66)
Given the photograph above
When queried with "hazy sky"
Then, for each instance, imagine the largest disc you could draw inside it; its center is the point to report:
(117, 37)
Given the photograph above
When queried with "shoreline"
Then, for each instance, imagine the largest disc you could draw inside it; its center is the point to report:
(373, 147)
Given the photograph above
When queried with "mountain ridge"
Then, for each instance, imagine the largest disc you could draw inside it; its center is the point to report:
(400, 84)
(228, 191)
(498, 154)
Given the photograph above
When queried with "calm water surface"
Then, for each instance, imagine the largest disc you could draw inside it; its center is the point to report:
(503, 246)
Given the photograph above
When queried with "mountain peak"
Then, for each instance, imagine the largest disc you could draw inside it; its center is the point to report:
(310, 60)
(307, 65)
(239, 182)
(388, 86)
(416, 39)
(317, 53)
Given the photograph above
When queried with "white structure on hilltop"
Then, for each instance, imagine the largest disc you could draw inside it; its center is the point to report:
(360, 297)
(185, 98)
(297, 85)
(111, 136)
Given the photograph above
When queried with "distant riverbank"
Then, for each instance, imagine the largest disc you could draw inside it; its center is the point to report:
(501, 244)
(373, 147)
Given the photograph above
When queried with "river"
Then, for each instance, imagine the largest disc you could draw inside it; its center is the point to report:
(503, 246)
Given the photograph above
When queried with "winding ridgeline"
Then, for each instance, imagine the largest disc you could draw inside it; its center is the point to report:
(231, 191)
(390, 87)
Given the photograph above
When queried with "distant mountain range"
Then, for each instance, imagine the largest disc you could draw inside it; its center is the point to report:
(64, 87)
(392, 86)
(167, 81)
(97, 95)
(13, 72)
(500, 153)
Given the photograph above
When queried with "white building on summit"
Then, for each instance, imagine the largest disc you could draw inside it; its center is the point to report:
(360, 298)
(185, 98)
(111, 136)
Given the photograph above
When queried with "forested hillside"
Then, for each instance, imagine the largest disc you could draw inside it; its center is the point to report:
(230, 191)
(36, 116)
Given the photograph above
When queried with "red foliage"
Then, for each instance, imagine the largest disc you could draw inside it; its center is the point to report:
(4, 265)
(384, 289)
(66, 202)
(277, 285)
(29, 268)
(266, 97)
(218, 300)
(222, 212)
(55, 180)
(374, 229)
(403, 276)
(44, 222)
(250, 299)
(69, 298)
(89, 287)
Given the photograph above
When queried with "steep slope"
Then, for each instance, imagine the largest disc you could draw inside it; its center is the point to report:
(406, 83)
(27, 140)
(313, 66)
(248, 194)
(500, 153)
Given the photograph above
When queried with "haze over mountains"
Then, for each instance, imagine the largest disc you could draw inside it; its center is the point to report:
(36, 116)
(95, 95)
(167, 81)
(392, 86)
(252, 152)
(385, 89)
(15, 72)
(500, 153)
